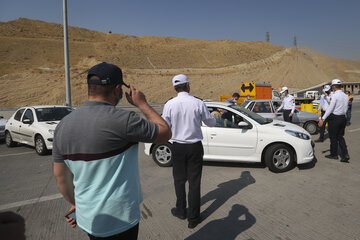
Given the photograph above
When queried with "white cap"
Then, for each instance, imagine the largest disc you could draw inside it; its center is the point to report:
(179, 79)
(283, 89)
(326, 88)
(335, 82)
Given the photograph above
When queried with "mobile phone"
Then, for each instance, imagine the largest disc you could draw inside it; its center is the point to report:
(71, 214)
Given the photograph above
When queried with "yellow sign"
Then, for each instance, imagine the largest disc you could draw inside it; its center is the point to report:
(247, 89)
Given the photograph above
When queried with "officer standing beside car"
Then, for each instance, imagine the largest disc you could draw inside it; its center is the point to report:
(335, 114)
(288, 103)
(184, 114)
(324, 104)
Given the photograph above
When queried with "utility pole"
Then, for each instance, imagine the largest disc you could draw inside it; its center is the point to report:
(295, 42)
(66, 55)
(267, 36)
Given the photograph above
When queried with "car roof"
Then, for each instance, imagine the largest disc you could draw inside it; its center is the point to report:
(45, 106)
(224, 104)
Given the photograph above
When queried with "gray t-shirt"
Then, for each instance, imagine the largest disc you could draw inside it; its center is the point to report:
(98, 128)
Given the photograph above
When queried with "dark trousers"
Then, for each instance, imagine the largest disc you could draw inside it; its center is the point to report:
(322, 128)
(187, 166)
(131, 234)
(286, 116)
(348, 116)
(337, 126)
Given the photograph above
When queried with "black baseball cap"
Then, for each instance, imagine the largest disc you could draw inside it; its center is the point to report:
(109, 74)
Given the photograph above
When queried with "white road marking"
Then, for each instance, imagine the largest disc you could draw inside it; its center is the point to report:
(30, 201)
(354, 130)
(15, 154)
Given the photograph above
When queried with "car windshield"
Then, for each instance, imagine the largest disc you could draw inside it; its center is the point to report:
(52, 113)
(256, 117)
(245, 103)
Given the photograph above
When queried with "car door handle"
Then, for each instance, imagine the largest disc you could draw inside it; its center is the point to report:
(212, 134)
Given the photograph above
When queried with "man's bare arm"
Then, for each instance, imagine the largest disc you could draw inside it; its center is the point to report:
(64, 180)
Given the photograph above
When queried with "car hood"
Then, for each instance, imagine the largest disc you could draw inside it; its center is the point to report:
(285, 126)
(49, 124)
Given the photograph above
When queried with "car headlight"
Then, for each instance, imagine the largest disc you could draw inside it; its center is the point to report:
(298, 134)
(51, 131)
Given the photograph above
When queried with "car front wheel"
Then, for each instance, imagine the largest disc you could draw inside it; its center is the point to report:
(162, 154)
(8, 140)
(311, 127)
(40, 145)
(279, 158)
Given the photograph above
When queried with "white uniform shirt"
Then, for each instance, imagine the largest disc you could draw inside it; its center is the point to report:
(324, 102)
(184, 114)
(288, 103)
(338, 104)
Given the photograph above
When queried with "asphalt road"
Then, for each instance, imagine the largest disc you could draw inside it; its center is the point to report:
(240, 201)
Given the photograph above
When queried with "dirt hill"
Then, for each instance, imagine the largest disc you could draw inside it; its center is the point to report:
(32, 70)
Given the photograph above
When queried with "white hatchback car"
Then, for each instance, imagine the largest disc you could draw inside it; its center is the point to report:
(34, 126)
(243, 136)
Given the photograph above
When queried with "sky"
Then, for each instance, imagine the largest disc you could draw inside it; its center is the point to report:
(331, 27)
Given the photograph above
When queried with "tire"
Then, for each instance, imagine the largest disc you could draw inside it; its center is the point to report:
(162, 154)
(279, 158)
(8, 140)
(40, 146)
(311, 127)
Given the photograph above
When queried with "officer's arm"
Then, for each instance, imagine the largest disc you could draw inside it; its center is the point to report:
(330, 109)
(206, 117)
(293, 106)
(64, 180)
(321, 102)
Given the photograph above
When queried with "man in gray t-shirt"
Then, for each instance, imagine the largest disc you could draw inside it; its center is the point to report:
(95, 156)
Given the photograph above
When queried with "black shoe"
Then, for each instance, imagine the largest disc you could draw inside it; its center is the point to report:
(319, 140)
(193, 223)
(178, 213)
(332, 157)
(346, 158)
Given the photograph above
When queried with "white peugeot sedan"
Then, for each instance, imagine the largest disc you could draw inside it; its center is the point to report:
(244, 136)
(35, 126)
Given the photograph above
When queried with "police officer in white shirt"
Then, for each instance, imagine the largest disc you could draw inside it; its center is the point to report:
(288, 103)
(324, 104)
(335, 114)
(184, 115)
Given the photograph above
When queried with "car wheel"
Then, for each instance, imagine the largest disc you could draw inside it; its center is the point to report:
(40, 145)
(8, 140)
(279, 158)
(311, 127)
(162, 154)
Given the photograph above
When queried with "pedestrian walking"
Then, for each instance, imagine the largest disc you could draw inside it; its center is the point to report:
(95, 154)
(184, 115)
(288, 103)
(324, 104)
(335, 114)
(348, 112)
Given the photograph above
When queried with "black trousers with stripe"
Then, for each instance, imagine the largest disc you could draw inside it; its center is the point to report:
(187, 166)
(337, 124)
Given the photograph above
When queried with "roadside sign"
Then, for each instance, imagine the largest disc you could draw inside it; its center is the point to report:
(248, 89)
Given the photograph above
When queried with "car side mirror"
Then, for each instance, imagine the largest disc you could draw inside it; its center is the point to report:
(244, 125)
(27, 121)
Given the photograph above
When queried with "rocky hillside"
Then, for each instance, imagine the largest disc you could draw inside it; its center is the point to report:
(32, 56)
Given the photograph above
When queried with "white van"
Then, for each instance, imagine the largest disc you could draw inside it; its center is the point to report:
(312, 94)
